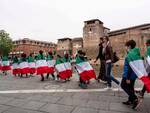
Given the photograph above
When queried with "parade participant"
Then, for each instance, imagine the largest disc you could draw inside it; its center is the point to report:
(102, 74)
(147, 63)
(67, 63)
(129, 77)
(0, 65)
(24, 67)
(31, 62)
(84, 69)
(61, 69)
(5, 65)
(51, 65)
(15, 65)
(41, 65)
(135, 64)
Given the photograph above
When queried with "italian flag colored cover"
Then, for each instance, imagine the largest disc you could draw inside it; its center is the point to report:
(68, 67)
(32, 65)
(5, 64)
(0, 65)
(41, 65)
(16, 68)
(137, 64)
(24, 67)
(84, 69)
(148, 55)
(60, 67)
(51, 64)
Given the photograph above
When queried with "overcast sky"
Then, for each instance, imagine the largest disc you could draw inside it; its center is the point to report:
(50, 20)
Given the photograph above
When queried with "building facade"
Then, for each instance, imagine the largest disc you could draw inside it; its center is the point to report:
(94, 29)
(28, 46)
(138, 33)
(64, 45)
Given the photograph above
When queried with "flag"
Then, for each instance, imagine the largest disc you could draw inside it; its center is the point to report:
(68, 67)
(51, 64)
(137, 64)
(6, 65)
(16, 68)
(148, 55)
(24, 67)
(41, 66)
(60, 67)
(32, 66)
(85, 70)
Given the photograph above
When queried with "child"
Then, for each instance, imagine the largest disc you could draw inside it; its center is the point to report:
(41, 65)
(5, 65)
(15, 65)
(60, 68)
(31, 62)
(142, 92)
(24, 67)
(67, 63)
(0, 65)
(51, 63)
(84, 69)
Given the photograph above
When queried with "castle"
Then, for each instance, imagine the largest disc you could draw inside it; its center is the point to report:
(94, 29)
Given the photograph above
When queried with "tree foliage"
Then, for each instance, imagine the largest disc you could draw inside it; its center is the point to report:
(6, 43)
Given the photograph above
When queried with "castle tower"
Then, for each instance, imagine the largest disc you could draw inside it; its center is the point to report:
(92, 31)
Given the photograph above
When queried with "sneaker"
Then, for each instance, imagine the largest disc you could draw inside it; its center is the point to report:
(127, 103)
(136, 103)
(104, 82)
(108, 88)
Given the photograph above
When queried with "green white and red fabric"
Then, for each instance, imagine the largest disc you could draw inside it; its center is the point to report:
(24, 66)
(15, 66)
(137, 64)
(61, 69)
(51, 64)
(84, 69)
(5, 64)
(67, 64)
(148, 55)
(41, 65)
(0, 65)
(32, 65)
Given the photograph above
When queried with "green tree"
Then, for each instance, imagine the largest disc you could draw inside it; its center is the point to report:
(6, 43)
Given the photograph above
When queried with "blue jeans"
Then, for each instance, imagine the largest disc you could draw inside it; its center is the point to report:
(114, 79)
(108, 73)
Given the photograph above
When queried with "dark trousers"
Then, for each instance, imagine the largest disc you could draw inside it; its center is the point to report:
(129, 89)
(102, 72)
(108, 73)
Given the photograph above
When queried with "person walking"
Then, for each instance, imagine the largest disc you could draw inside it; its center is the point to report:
(129, 78)
(102, 75)
(109, 60)
(51, 65)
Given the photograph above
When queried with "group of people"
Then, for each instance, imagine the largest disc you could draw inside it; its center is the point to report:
(61, 68)
(135, 66)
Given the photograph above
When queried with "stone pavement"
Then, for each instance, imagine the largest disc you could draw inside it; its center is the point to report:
(62, 102)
